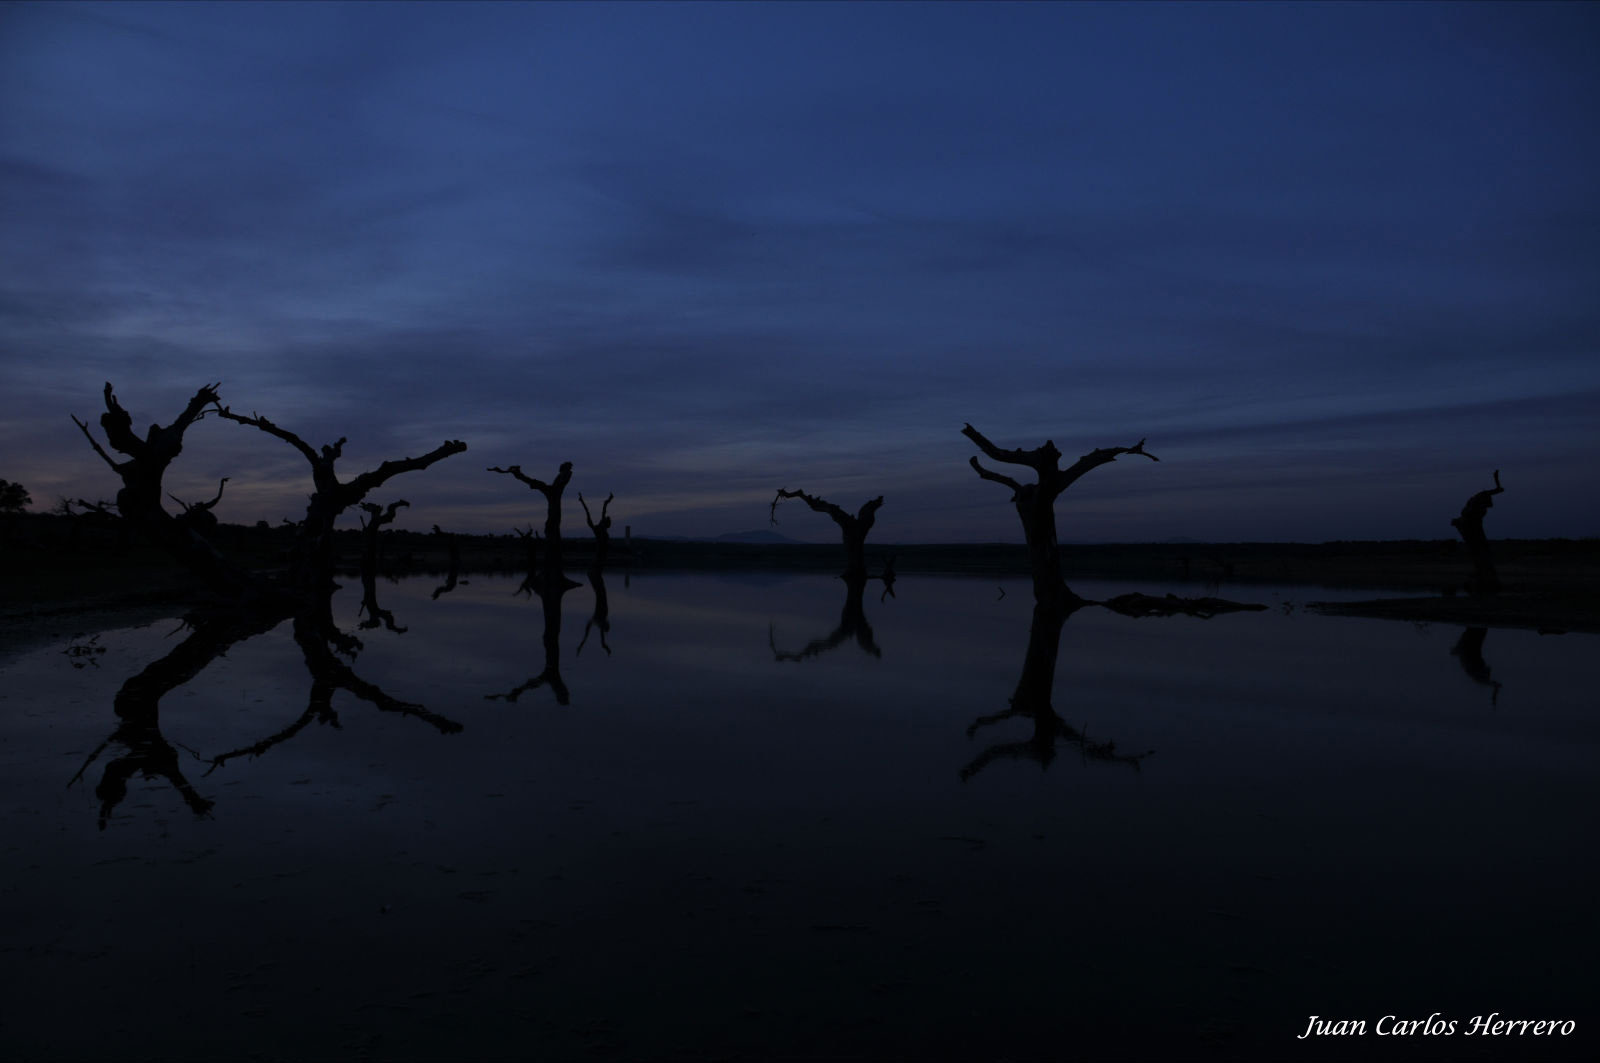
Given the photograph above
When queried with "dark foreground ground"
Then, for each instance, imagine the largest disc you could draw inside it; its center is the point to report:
(54, 568)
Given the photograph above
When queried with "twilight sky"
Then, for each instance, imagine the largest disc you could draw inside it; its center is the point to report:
(1338, 262)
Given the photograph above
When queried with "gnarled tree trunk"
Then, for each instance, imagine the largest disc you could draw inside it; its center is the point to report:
(853, 528)
(139, 499)
(311, 567)
(552, 517)
(1035, 504)
(1470, 525)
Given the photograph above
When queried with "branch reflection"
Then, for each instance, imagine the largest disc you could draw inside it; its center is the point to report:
(601, 617)
(1032, 701)
(138, 703)
(550, 591)
(1469, 651)
(852, 624)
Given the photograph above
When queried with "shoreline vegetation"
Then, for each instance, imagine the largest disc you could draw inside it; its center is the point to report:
(52, 566)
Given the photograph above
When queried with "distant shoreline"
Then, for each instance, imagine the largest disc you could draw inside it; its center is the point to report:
(46, 573)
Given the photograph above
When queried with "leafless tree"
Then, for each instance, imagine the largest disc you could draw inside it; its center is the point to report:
(552, 492)
(1470, 525)
(312, 565)
(1035, 503)
(853, 527)
(602, 531)
(139, 499)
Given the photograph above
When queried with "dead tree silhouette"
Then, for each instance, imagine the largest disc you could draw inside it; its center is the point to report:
(602, 531)
(138, 501)
(198, 517)
(1035, 504)
(853, 528)
(1470, 525)
(311, 567)
(552, 518)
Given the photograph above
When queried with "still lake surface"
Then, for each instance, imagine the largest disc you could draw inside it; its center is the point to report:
(732, 830)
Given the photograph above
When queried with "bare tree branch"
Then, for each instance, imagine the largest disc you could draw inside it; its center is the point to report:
(1093, 460)
(257, 421)
(1035, 502)
(1042, 457)
(552, 520)
(605, 521)
(999, 478)
(853, 528)
(314, 547)
(95, 443)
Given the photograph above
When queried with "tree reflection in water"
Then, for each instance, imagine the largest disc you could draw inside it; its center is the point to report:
(852, 623)
(1032, 701)
(601, 617)
(377, 517)
(1033, 693)
(1469, 651)
(550, 591)
(138, 703)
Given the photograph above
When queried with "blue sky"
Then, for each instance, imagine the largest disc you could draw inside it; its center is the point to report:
(1337, 262)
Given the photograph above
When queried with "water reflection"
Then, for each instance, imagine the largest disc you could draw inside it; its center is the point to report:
(852, 624)
(453, 574)
(601, 617)
(780, 852)
(375, 614)
(1032, 701)
(137, 704)
(377, 517)
(549, 591)
(1468, 650)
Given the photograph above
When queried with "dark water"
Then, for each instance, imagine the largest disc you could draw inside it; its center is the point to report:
(738, 825)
